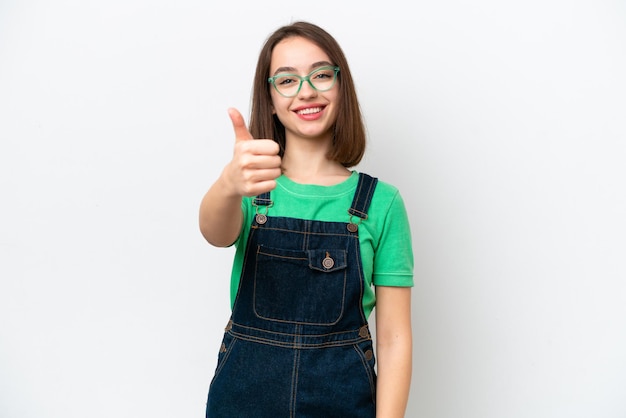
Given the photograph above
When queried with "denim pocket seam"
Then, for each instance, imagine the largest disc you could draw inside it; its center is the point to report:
(368, 368)
(226, 355)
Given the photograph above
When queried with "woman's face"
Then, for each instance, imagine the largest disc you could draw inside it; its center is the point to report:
(311, 113)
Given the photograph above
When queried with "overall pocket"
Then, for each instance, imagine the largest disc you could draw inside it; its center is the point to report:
(300, 286)
(365, 351)
(228, 342)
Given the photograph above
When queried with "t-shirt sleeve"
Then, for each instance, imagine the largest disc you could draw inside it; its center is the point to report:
(393, 258)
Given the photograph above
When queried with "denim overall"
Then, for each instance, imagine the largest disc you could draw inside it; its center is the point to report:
(298, 344)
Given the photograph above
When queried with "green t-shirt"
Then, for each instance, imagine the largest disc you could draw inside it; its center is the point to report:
(385, 236)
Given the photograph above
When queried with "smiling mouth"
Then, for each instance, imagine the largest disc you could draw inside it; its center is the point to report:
(309, 111)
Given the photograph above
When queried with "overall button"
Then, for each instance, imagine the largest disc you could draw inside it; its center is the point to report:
(328, 262)
(368, 355)
(364, 332)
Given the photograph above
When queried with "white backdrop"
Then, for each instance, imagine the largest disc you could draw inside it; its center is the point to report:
(502, 123)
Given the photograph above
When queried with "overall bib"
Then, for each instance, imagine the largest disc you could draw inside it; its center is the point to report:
(298, 344)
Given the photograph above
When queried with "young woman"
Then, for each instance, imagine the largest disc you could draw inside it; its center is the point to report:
(318, 246)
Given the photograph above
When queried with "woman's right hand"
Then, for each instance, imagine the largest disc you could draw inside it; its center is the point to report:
(255, 165)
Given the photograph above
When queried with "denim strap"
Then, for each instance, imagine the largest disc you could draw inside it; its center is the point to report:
(363, 195)
(262, 200)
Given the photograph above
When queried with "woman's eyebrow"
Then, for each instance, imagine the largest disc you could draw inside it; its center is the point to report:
(320, 64)
(285, 70)
(295, 70)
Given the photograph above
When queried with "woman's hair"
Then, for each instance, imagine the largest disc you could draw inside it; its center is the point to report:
(349, 130)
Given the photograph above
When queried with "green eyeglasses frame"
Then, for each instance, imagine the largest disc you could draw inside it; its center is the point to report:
(272, 80)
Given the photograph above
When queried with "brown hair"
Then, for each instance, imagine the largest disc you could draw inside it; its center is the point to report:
(349, 130)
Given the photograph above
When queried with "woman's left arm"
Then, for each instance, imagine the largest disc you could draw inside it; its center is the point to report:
(394, 345)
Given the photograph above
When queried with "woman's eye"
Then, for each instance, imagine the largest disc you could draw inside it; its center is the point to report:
(323, 74)
(285, 81)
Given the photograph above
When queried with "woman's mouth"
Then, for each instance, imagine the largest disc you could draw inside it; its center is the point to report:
(309, 111)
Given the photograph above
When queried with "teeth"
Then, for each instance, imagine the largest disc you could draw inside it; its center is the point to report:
(309, 110)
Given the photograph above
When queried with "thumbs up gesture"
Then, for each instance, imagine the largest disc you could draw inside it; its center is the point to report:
(255, 165)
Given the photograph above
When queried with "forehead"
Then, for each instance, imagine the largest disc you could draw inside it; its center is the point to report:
(298, 53)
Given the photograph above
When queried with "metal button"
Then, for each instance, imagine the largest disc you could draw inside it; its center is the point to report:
(229, 325)
(352, 227)
(364, 332)
(369, 354)
(223, 348)
(261, 218)
(328, 262)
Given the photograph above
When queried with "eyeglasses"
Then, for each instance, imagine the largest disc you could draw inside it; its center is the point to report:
(321, 79)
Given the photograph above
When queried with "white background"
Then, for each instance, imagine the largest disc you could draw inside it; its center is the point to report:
(502, 123)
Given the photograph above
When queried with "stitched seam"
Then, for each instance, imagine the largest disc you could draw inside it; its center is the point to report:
(328, 334)
(368, 371)
(293, 344)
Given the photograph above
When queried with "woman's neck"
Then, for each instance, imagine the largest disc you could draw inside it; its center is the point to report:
(306, 168)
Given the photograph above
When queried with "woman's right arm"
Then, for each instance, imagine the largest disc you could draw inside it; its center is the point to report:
(253, 170)
(221, 216)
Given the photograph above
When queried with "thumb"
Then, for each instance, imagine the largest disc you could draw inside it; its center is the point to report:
(239, 125)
